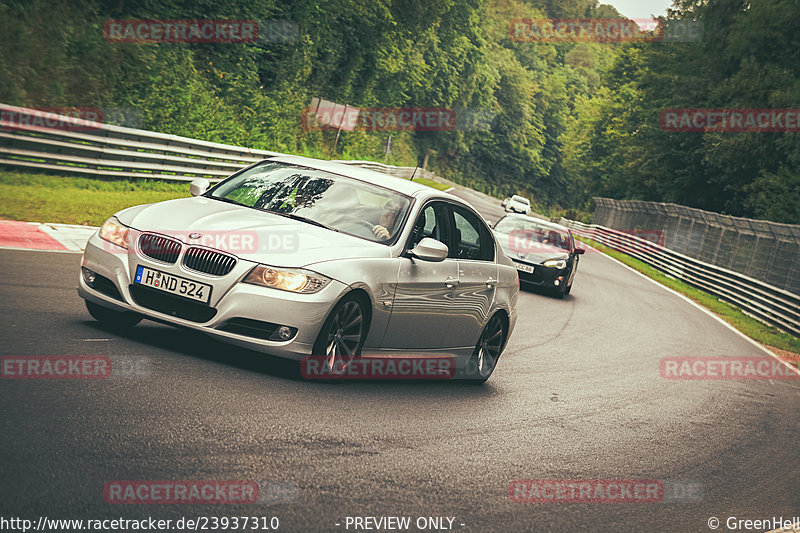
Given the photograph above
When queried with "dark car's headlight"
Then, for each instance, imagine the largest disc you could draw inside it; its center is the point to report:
(292, 280)
(556, 263)
(115, 232)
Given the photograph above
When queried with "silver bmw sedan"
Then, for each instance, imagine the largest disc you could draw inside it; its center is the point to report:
(298, 257)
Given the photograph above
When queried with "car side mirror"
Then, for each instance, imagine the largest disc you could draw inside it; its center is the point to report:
(580, 251)
(430, 250)
(488, 223)
(199, 186)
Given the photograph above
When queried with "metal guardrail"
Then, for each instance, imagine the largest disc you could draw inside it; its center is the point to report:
(760, 249)
(398, 172)
(769, 304)
(92, 148)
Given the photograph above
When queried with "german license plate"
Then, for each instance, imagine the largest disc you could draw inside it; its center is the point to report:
(523, 267)
(176, 285)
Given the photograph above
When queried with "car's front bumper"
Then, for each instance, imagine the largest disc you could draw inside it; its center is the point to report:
(246, 302)
(544, 277)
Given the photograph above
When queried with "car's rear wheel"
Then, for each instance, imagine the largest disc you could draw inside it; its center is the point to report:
(342, 335)
(487, 350)
(113, 319)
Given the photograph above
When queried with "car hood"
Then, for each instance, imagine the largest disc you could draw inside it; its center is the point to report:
(529, 251)
(248, 233)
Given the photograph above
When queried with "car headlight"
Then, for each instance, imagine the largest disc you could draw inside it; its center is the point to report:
(555, 263)
(114, 232)
(287, 280)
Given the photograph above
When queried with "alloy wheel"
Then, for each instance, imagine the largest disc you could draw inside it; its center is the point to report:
(487, 352)
(343, 339)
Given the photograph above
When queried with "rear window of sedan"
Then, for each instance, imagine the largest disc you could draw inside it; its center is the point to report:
(521, 199)
(347, 205)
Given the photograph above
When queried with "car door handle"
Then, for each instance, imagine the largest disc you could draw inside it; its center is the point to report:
(491, 282)
(451, 282)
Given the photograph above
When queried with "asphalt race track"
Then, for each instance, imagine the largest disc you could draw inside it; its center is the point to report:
(577, 395)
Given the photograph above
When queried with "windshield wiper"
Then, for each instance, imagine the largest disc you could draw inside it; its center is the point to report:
(293, 216)
(227, 200)
(301, 218)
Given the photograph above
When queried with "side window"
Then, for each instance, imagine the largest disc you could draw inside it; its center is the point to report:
(471, 239)
(431, 222)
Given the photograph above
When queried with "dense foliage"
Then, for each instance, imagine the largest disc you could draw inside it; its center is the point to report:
(562, 122)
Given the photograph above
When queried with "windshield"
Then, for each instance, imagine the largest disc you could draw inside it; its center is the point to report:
(533, 232)
(336, 202)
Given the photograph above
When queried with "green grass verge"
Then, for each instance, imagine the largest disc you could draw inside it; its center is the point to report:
(734, 316)
(75, 200)
(434, 184)
(87, 201)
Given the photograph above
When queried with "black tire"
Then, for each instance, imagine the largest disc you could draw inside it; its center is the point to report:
(113, 319)
(342, 336)
(571, 275)
(487, 350)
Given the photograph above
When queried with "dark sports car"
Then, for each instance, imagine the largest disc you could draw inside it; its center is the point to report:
(544, 253)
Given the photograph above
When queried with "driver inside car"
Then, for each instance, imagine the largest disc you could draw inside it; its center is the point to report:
(387, 220)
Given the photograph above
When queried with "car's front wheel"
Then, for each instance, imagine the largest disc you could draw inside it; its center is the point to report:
(113, 319)
(560, 292)
(487, 350)
(567, 287)
(342, 335)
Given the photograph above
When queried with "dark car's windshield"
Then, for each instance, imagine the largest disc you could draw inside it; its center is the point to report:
(339, 203)
(533, 232)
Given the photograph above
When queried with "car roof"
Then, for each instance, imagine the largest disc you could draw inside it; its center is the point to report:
(540, 221)
(400, 185)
